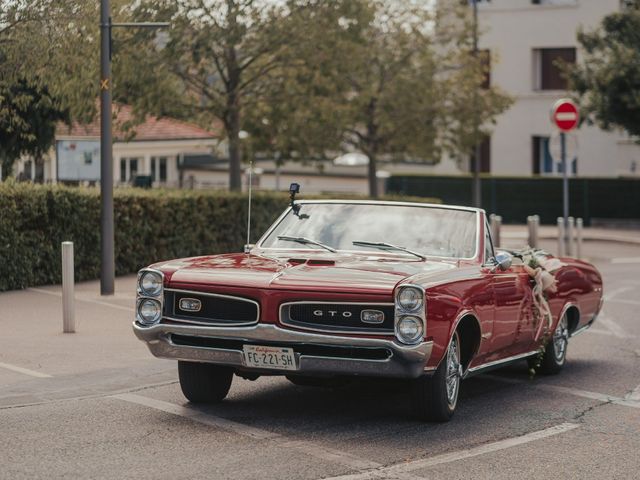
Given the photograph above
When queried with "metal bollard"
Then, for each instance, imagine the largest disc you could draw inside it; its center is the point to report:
(68, 305)
(560, 237)
(533, 222)
(495, 224)
(571, 226)
(579, 226)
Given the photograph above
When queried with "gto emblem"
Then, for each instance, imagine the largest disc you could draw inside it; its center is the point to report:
(190, 304)
(331, 313)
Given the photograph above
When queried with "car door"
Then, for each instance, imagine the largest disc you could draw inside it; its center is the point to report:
(512, 329)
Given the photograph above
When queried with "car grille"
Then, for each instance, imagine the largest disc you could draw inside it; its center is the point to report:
(214, 309)
(336, 317)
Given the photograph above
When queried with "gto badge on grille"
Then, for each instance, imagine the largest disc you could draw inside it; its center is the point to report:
(372, 316)
(190, 304)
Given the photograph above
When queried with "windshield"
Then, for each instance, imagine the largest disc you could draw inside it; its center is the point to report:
(429, 231)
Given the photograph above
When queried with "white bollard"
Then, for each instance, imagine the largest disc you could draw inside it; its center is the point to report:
(579, 226)
(560, 237)
(495, 224)
(68, 301)
(533, 222)
(569, 234)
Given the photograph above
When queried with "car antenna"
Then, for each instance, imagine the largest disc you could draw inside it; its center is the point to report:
(247, 248)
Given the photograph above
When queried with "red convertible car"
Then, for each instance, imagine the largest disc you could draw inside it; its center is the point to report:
(348, 288)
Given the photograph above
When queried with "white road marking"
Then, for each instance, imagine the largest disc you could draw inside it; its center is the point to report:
(634, 395)
(25, 371)
(620, 300)
(80, 299)
(599, 332)
(608, 322)
(406, 467)
(328, 454)
(625, 402)
(614, 293)
(626, 260)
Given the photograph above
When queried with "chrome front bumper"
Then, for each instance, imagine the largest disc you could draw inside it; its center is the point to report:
(404, 361)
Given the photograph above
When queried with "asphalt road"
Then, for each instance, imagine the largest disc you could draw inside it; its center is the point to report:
(95, 404)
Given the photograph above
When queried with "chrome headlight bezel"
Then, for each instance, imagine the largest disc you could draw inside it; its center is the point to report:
(415, 311)
(419, 325)
(410, 304)
(146, 295)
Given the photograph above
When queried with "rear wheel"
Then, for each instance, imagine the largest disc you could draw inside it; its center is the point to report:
(555, 351)
(203, 382)
(435, 398)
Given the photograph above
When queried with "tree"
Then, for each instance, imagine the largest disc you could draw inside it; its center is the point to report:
(28, 116)
(607, 81)
(394, 80)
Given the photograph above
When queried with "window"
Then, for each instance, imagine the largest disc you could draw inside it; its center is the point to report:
(159, 169)
(488, 244)
(128, 169)
(549, 67)
(133, 168)
(485, 156)
(123, 170)
(543, 163)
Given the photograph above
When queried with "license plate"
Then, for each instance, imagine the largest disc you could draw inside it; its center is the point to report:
(269, 357)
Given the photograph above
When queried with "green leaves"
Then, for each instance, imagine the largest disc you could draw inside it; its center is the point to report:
(607, 81)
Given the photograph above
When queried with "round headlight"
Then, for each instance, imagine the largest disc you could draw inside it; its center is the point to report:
(149, 311)
(151, 283)
(410, 298)
(409, 329)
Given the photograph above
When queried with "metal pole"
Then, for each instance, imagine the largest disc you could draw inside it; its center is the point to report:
(533, 223)
(579, 226)
(68, 305)
(561, 237)
(107, 270)
(565, 190)
(477, 186)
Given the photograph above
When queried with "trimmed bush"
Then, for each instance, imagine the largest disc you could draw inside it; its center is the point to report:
(150, 226)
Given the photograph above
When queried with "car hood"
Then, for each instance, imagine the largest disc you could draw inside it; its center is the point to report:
(357, 273)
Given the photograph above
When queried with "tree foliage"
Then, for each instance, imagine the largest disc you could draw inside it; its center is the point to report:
(607, 81)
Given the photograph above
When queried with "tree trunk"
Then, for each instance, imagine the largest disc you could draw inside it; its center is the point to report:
(233, 133)
(372, 173)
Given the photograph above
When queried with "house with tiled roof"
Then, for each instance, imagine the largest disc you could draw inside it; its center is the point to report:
(161, 148)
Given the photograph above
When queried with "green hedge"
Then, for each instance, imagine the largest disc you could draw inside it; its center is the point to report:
(150, 226)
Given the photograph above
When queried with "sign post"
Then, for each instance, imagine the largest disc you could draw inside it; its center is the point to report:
(565, 116)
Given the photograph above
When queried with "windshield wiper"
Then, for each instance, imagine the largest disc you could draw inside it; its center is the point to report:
(388, 246)
(306, 241)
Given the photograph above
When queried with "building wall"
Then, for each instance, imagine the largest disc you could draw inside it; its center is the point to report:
(512, 29)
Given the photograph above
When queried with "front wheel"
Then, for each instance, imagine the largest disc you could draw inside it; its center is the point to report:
(435, 398)
(555, 351)
(203, 382)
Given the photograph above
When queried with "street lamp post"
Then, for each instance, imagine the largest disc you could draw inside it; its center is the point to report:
(107, 256)
(476, 188)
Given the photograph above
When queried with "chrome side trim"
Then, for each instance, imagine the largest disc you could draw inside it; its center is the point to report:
(580, 330)
(218, 295)
(498, 363)
(285, 318)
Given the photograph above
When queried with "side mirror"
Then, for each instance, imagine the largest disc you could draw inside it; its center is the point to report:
(248, 247)
(503, 261)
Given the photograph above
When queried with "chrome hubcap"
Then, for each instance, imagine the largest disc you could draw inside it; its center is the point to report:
(453, 372)
(560, 339)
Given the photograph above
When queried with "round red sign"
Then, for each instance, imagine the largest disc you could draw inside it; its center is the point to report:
(565, 115)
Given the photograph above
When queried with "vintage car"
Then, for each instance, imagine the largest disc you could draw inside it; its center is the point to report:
(347, 288)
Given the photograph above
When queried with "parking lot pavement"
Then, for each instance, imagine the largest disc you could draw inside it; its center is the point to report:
(96, 404)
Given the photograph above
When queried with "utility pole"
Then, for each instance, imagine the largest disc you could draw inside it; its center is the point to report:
(107, 250)
(477, 187)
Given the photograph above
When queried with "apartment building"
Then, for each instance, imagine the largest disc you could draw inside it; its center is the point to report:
(524, 40)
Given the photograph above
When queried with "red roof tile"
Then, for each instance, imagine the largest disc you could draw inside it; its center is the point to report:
(153, 128)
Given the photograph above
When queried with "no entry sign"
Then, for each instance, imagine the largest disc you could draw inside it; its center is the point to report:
(565, 115)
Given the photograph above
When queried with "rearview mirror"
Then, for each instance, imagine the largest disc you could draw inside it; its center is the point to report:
(503, 261)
